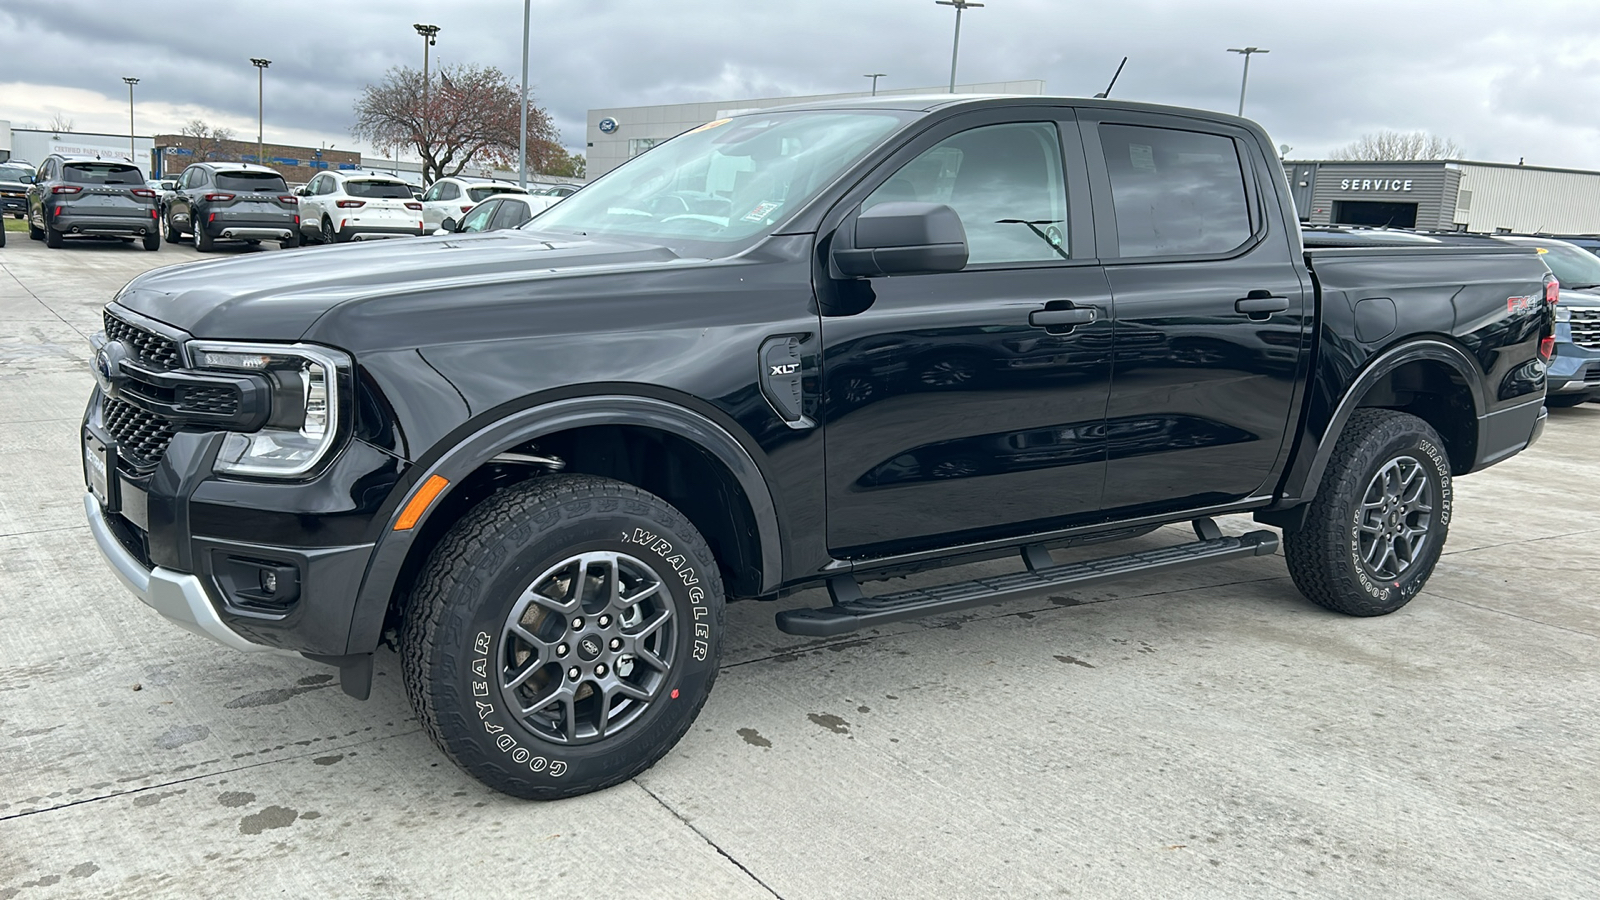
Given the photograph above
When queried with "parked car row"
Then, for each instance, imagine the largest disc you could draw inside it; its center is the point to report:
(79, 196)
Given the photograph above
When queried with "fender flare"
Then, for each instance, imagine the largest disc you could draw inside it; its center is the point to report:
(377, 585)
(1381, 365)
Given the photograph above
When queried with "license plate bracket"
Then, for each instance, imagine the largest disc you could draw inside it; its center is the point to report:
(100, 472)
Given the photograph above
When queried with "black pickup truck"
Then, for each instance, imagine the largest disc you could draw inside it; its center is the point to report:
(821, 345)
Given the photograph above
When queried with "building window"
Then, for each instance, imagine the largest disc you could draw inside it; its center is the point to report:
(637, 146)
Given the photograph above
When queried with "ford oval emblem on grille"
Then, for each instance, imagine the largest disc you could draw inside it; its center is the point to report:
(108, 365)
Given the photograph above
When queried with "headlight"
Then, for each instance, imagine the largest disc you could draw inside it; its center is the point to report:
(1563, 313)
(304, 420)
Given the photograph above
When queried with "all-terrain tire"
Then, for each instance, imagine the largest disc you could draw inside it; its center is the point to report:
(1325, 555)
(459, 648)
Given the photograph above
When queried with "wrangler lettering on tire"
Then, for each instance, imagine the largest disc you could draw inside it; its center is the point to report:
(563, 636)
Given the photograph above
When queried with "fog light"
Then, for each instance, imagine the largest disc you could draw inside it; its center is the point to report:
(269, 581)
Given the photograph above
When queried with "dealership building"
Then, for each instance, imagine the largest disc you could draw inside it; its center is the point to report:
(618, 134)
(1447, 195)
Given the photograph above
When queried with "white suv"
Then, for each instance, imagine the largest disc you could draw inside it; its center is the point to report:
(355, 205)
(448, 199)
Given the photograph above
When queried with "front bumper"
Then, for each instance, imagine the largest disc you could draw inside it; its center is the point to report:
(179, 597)
(14, 204)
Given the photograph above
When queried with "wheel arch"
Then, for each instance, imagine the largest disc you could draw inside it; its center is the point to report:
(1421, 369)
(693, 442)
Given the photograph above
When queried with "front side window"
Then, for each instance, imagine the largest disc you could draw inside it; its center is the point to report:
(478, 219)
(1004, 181)
(1175, 193)
(728, 180)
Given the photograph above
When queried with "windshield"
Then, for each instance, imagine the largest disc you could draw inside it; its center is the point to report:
(725, 181)
(13, 173)
(378, 190)
(103, 173)
(1574, 268)
(251, 181)
(478, 194)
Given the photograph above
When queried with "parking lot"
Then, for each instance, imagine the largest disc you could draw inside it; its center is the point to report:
(1209, 734)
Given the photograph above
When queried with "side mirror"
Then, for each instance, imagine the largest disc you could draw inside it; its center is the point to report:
(902, 238)
(26, 179)
(447, 227)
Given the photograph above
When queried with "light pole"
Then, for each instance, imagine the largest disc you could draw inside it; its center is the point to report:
(522, 134)
(1245, 51)
(261, 77)
(955, 47)
(133, 155)
(875, 76)
(430, 37)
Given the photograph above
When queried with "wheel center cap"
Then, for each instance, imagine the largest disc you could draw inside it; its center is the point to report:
(589, 648)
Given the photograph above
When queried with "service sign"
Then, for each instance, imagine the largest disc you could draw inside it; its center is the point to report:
(1402, 185)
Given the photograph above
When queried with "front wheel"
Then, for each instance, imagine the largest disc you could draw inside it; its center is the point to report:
(563, 636)
(1380, 519)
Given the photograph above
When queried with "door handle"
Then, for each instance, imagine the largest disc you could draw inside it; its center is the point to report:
(1062, 319)
(1261, 304)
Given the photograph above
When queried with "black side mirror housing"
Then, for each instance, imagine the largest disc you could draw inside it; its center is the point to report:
(902, 238)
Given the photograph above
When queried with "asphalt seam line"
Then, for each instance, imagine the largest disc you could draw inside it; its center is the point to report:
(709, 842)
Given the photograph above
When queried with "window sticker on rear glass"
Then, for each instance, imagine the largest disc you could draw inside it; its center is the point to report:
(1142, 156)
(763, 210)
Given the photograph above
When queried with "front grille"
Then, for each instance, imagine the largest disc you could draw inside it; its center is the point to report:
(1586, 328)
(142, 437)
(222, 401)
(148, 347)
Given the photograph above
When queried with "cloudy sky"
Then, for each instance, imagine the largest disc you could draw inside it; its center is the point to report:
(1505, 80)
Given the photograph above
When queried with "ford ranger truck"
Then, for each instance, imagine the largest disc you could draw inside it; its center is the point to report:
(816, 346)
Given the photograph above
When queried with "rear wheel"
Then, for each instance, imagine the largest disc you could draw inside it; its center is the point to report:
(52, 237)
(290, 242)
(329, 236)
(202, 242)
(1379, 522)
(36, 234)
(563, 636)
(152, 241)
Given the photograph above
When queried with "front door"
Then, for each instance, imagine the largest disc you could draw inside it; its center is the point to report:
(1210, 311)
(949, 415)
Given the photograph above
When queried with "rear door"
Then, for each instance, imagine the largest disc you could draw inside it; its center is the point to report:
(948, 414)
(1210, 311)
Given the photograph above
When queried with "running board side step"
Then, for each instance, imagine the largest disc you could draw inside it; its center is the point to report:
(851, 610)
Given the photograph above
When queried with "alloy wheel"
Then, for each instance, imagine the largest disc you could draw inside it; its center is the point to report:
(1395, 515)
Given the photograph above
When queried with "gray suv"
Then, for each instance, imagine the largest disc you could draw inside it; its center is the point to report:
(14, 180)
(83, 196)
(221, 201)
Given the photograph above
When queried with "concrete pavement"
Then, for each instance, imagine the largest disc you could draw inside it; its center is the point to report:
(1208, 734)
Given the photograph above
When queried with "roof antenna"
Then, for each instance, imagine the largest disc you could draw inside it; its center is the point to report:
(1107, 92)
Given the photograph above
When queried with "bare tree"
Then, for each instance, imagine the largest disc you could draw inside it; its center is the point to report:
(208, 140)
(472, 115)
(1390, 145)
(61, 124)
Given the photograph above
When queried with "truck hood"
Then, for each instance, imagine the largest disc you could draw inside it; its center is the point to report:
(280, 295)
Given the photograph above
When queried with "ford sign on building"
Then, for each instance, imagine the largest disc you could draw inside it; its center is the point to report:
(1447, 195)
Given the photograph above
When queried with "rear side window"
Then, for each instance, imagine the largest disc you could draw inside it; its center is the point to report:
(512, 214)
(1175, 193)
(102, 173)
(251, 181)
(378, 190)
(449, 192)
(478, 194)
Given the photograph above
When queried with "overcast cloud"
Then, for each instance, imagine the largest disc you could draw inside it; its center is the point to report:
(1505, 80)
